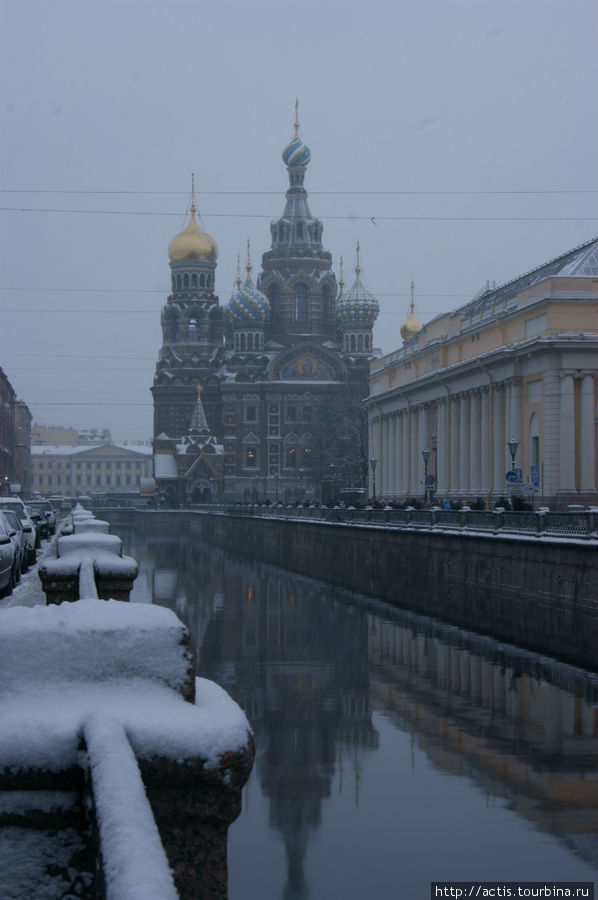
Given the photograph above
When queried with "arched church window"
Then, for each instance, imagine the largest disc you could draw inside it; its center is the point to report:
(299, 231)
(185, 281)
(250, 342)
(243, 343)
(353, 342)
(274, 298)
(301, 302)
(326, 304)
(194, 280)
(360, 343)
(202, 280)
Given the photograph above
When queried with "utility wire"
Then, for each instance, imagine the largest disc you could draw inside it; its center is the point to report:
(348, 218)
(384, 193)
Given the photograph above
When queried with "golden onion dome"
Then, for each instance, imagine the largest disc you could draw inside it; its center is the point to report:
(192, 243)
(411, 326)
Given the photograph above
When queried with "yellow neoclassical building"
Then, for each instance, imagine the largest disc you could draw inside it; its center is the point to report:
(517, 363)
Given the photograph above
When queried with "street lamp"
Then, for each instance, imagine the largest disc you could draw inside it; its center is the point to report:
(426, 458)
(373, 464)
(513, 445)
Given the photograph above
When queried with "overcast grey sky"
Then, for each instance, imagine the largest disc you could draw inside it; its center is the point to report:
(466, 129)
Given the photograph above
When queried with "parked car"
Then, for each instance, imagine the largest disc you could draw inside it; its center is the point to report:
(9, 558)
(16, 504)
(20, 538)
(47, 517)
(47, 507)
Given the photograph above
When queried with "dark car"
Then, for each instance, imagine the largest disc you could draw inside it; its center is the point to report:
(47, 516)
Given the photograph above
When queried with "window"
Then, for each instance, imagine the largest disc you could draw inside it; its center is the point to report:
(291, 457)
(301, 302)
(307, 413)
(250, 414)
(291, 413)
(250, 457)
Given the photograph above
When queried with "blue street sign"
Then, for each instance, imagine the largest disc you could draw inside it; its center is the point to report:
(511, 476)
(534, 475)
(430, 480)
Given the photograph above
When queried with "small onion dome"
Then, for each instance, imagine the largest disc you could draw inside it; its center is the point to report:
(357, 306)
(411, 326)
(192, 243)
(296, 153)
(248, 304)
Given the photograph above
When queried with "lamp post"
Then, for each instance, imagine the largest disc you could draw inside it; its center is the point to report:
(513, 445)
(426, 459)
(373, 464)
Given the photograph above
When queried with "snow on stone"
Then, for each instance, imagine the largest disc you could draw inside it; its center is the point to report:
(75, 543)
(61, 664)
(134, 862)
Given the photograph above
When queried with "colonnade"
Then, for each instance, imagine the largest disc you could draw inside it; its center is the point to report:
(468, 432)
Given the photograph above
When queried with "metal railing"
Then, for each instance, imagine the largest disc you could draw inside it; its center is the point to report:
(562, 524)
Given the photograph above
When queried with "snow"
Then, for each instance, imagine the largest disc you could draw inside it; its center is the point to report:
(165, 466)
(134, 862)
(89, 541)
(61, 664)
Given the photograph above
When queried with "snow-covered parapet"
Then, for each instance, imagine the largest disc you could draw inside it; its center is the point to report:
(113, 678)
(88, 563)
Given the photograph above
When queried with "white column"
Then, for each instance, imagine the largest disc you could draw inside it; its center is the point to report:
(384, 468)
(413, 466)
(422, 443)
(474, 441)
(442, 449)
(516, 430)
(454, 443)
(405, 452)
(567, 440)
(464, 474)
(508, 435)
(498, 425)
(485, 473)
(587, 448)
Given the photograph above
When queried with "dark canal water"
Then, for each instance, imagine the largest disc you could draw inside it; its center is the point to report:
(391, 750)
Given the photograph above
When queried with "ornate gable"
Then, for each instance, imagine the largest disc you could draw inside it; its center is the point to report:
(307, 362)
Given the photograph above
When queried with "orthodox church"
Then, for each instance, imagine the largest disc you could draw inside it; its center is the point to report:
(263, 399)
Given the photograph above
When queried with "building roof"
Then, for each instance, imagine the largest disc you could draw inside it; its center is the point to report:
(87, 449)
(581, 262)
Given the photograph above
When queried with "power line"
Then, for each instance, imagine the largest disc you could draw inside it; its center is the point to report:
(262, 193)
(348, 218)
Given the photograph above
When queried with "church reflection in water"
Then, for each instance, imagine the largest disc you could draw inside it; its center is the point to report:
(310, 664)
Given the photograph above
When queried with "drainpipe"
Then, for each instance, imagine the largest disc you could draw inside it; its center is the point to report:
(491, 417)
(448, 430)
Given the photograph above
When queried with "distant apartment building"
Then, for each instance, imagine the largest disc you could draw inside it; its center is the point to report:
(74, 470)
(15, 440)
(518, 363)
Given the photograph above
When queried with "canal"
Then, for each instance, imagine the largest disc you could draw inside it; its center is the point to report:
(392, 750)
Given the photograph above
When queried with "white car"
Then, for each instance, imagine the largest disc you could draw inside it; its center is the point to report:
(19, 537)
(16, 504)
(9, 558)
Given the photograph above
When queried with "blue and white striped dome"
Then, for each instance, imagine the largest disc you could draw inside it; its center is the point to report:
(248, 304)
(296, 153)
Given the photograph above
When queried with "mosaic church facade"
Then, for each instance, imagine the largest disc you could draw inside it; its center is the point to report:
(262, 399)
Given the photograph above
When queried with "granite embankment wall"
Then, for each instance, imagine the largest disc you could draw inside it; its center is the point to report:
(540, 593)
